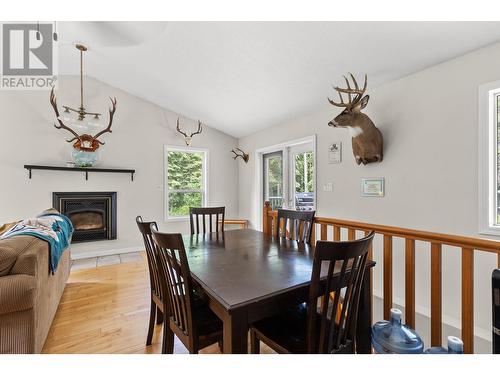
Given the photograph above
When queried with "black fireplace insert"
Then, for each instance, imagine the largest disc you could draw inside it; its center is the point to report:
(93, 214)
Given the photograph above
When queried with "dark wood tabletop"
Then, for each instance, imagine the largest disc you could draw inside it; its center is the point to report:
(248, 275)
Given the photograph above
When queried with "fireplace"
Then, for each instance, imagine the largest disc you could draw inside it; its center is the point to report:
(93, 214)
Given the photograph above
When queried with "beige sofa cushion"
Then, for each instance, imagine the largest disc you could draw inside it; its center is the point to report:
(10, 249)
(17, 293)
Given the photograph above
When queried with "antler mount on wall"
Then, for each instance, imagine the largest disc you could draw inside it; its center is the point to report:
(239, 153)
(189, 138)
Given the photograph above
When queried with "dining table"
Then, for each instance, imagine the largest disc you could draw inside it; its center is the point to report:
(248, 275)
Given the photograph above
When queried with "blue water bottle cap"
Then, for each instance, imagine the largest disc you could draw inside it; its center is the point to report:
(455, 345)
(396, 315)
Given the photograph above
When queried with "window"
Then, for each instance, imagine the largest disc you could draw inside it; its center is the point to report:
(489, 158)
(186, 184)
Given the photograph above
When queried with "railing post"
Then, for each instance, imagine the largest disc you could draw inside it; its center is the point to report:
(370, 258)
(387, 276)
(436, 301)
(265, 218)
(468, 299)
(410, 282)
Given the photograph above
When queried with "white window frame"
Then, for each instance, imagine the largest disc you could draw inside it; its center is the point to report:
(488, 158)
(205, 195)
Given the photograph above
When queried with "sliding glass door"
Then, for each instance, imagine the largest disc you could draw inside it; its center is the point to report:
(289, 177)
(301, 165)
(273, 179)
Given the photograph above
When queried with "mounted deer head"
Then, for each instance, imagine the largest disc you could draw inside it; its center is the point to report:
(239, 153)
(83, 142)
(367, 140)
(188, 138)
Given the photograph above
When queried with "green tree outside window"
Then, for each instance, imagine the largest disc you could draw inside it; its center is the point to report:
(185, 181)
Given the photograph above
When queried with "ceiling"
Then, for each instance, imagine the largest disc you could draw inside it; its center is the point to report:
(241, 77)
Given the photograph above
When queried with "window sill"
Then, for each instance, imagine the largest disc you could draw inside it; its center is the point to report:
(491, 231)
(177, 218)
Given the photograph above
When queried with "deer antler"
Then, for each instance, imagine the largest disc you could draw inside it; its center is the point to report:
(188, 138)
(53, 102)
(240, 154)
(200, 128)
(179, 128)
(112, 111)
(349, 91)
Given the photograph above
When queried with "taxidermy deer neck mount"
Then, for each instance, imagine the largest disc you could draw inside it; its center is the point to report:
(367, 140)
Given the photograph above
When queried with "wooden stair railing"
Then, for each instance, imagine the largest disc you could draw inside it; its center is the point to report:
(467, 246)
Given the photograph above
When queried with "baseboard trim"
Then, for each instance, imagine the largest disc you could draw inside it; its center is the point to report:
(100, 253)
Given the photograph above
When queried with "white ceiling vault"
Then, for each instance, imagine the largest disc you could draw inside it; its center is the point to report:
(240, 77)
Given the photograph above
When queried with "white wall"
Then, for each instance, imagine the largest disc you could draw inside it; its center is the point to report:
(139, 132)
(429, 121)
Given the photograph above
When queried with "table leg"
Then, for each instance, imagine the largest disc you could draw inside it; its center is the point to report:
(364, 327)
(235, 333)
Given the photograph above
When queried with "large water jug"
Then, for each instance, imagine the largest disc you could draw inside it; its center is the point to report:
(455, 346)
(395, 338)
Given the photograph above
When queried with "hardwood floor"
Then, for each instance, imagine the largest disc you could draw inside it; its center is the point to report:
(106, 310)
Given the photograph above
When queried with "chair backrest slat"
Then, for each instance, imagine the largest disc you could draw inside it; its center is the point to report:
(150, 247)
(206, 212)
(295, 225)
(177, 276)
(337, 317)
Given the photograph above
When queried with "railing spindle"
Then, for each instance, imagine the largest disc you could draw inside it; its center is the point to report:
(468, 299)
(313, 234)
(351, 234)
(336, 233)
(323, 232)
(387, 276)
(436, 295)
(410, 282)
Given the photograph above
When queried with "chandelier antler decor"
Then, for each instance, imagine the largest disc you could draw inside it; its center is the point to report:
(189, 138)
(85, 145)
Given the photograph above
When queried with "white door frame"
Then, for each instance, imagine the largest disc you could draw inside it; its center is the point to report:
(259, 204)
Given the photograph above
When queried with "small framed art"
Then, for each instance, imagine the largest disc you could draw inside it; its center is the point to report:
(373, 187)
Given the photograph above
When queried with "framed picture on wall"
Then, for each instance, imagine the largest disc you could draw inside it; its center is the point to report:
(335, 153)
(373, 187)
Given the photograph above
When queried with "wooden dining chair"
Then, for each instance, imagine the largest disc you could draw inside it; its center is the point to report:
(157, 301)
(189, 316)
(295, 225)
(325, 326)
(215, 216)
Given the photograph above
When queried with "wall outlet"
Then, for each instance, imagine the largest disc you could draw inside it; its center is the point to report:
(328, 187)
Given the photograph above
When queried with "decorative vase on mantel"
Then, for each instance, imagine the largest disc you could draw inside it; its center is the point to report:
(85, 159)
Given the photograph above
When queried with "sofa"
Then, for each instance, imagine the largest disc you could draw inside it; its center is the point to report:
(29, 293)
